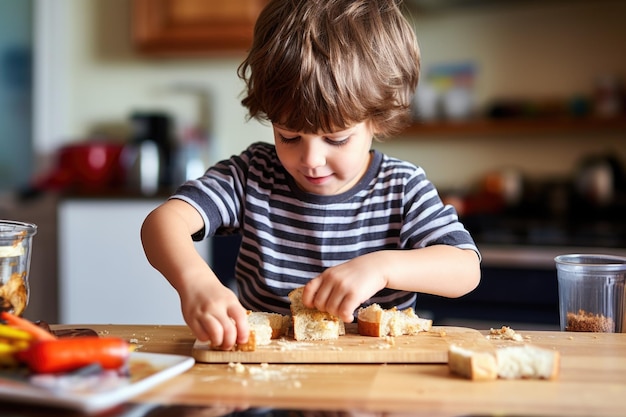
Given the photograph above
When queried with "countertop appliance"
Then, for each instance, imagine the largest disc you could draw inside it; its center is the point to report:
(149, 158)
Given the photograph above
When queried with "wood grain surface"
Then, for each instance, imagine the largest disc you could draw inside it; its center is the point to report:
(425, 347)
(592, 381)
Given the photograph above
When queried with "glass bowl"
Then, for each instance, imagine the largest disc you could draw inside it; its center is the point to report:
(16, 240)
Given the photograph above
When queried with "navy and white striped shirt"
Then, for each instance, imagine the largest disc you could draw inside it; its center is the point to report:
(290, 236)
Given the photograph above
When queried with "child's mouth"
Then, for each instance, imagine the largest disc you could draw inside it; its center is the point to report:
(317, 180)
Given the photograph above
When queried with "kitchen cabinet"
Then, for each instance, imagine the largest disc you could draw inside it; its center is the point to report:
(494, 127)
(193, 27)
(104, 276)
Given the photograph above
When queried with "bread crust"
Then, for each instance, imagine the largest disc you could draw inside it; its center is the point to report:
(556, 367)
(477, 366)
(250, 345)
(366, 328)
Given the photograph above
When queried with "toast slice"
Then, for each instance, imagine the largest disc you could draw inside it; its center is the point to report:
(478, 366)
(378, 322)
(312, 324)
(263, 328)
(513, 362)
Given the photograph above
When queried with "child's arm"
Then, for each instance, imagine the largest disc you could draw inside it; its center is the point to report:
(439, 269)
(211, 310)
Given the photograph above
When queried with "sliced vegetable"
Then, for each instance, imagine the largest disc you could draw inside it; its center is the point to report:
(7, 360)
(62, 355)
(20, 323)
(12, 333)
(8, 351)
(13, 346)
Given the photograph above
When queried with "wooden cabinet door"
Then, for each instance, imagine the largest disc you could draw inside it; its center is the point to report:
(194, 27)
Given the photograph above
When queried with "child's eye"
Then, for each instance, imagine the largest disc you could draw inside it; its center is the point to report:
(337, 142)
(285, 139)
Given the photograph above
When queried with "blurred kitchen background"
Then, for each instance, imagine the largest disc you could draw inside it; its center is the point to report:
(106, 105)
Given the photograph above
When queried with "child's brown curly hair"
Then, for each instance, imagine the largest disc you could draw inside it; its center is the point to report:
(324, 65)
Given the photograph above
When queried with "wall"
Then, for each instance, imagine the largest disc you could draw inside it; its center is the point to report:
(15, 93)
(93, 80)
(536, 50)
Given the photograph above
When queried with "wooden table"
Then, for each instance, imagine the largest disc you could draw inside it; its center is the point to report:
(592, 382)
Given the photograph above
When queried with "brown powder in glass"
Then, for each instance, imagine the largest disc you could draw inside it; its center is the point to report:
(584, 321)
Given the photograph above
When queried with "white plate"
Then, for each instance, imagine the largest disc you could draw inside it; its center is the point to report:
(96, 392)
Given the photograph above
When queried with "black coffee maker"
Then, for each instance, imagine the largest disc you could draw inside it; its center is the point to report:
(151, 164)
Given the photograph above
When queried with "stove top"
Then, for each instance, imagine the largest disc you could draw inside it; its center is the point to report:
(529, 231)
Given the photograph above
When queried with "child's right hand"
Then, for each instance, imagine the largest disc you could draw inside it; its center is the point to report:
(214, 314)
(211, 310)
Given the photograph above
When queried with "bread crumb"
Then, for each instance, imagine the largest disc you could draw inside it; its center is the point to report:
(133, 340)
(504, 333)
(584, 321)
(263, 373)
(238, 367)
(211, 378)
(286, 345)
(442, 333)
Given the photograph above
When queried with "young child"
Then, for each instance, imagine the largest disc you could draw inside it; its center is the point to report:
(319, 207)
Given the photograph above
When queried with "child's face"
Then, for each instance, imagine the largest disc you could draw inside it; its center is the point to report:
(325, 163)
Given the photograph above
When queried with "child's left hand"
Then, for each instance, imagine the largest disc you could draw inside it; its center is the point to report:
(342, 288)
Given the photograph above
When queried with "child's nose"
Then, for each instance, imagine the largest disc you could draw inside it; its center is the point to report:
(313, 155)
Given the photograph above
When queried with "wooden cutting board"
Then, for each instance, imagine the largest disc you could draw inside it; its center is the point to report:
(426, 347)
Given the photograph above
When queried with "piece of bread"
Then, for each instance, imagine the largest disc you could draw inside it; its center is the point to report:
(527, 361)
(263, 328)
(280, 325)
(250, 345)
(312, 324)
(478, 366)
(378, 322)
(513, 362)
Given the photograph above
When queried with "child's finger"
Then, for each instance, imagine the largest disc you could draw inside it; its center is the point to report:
(240, 318)
(309, 294)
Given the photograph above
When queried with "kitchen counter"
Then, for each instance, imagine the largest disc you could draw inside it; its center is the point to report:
(518, 288)
(592, 382)
(536, 257)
